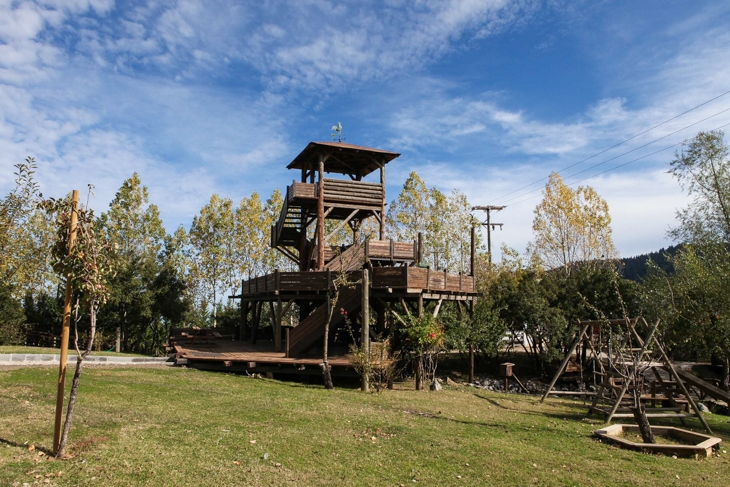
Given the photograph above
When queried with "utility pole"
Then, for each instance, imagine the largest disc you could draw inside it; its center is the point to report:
(489, 224)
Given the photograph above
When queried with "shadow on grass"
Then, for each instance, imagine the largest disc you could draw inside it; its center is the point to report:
(19, 445)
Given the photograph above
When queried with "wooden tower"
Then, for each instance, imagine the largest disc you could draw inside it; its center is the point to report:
(300, 235)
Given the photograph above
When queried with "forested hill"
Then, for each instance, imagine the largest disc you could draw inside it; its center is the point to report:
(635, 267)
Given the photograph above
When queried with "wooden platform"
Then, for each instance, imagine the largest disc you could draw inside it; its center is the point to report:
(237, 356)
(409, 280)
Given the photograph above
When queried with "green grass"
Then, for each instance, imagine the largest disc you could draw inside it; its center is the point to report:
(164, 426)
(56, 351)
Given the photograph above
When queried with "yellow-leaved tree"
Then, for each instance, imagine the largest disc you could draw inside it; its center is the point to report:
(571, 226)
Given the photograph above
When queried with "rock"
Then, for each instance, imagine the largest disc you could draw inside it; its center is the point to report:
(450, 382)
(436, 385)
(703, 408)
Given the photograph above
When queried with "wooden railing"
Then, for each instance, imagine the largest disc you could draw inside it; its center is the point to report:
(301, 191)
(383, 277)
(278, 228)
(353, 192)
(339, 191)
(291, 281)
(391, 250)
(419, 278)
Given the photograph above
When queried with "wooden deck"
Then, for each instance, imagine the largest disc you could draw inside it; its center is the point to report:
(238, 355)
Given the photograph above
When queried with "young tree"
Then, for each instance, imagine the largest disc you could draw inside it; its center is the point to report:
(87, 267)
(571, 226)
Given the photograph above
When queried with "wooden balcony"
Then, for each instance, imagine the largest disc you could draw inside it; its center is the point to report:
(337, 192)
(417, 278)
(412, 280)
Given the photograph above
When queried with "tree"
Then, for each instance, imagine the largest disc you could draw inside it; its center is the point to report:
(14, 210)
(11, 317)
(694, 301)
(444, 221)
(86, 267)
(703, 171)
(133, 226)
(571, 226)
(212, 245)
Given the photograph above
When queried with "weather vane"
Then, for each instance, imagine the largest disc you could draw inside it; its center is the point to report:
(337, 132)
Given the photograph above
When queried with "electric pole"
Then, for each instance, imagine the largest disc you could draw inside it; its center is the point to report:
(489, 224)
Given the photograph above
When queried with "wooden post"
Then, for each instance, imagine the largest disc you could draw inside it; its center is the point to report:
(382, 207)
(320, 216)
(244, 312)
(65, 332)
(471, 345)
(365, 328)
(278, 314)
(244, 320)
(473, 248)
(277, 328)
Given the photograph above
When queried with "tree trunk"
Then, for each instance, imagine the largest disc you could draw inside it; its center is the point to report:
(726, 373)
(326, 370)
(70, 410)
(418, 364)
(327, 375)
(215, 309)
(643, 422)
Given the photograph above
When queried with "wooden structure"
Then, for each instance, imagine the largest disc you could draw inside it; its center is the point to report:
(621, 365)
(315, 203)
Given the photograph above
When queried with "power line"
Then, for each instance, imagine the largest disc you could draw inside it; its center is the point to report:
(612, 169)
(620, 143)
(622, 154)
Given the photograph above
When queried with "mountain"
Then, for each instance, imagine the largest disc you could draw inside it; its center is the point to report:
(635, 267)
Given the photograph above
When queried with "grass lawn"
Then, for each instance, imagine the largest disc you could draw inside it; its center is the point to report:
(166, 426)
(57, 351)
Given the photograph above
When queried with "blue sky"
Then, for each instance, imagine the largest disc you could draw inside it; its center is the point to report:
(203, 97)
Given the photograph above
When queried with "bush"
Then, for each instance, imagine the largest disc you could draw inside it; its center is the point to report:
(12, 318)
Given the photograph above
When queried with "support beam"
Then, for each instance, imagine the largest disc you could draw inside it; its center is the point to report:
(565, 360)
(288, 254)
(320, 216)
(341, 225)
(382, 207)
(438, 308)
(680, 382)
(244, 319)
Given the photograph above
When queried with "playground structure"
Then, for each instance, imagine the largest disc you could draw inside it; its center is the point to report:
(382, 274)
(622, 359)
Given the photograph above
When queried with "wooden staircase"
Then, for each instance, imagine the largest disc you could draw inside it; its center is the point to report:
(351, 259)
(287, 230)
(311, 329)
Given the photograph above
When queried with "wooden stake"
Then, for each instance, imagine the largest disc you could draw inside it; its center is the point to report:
(66, 329)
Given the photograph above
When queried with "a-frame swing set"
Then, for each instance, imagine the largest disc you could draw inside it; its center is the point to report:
(621, 369)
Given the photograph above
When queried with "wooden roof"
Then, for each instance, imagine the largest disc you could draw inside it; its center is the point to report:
(342, 158)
